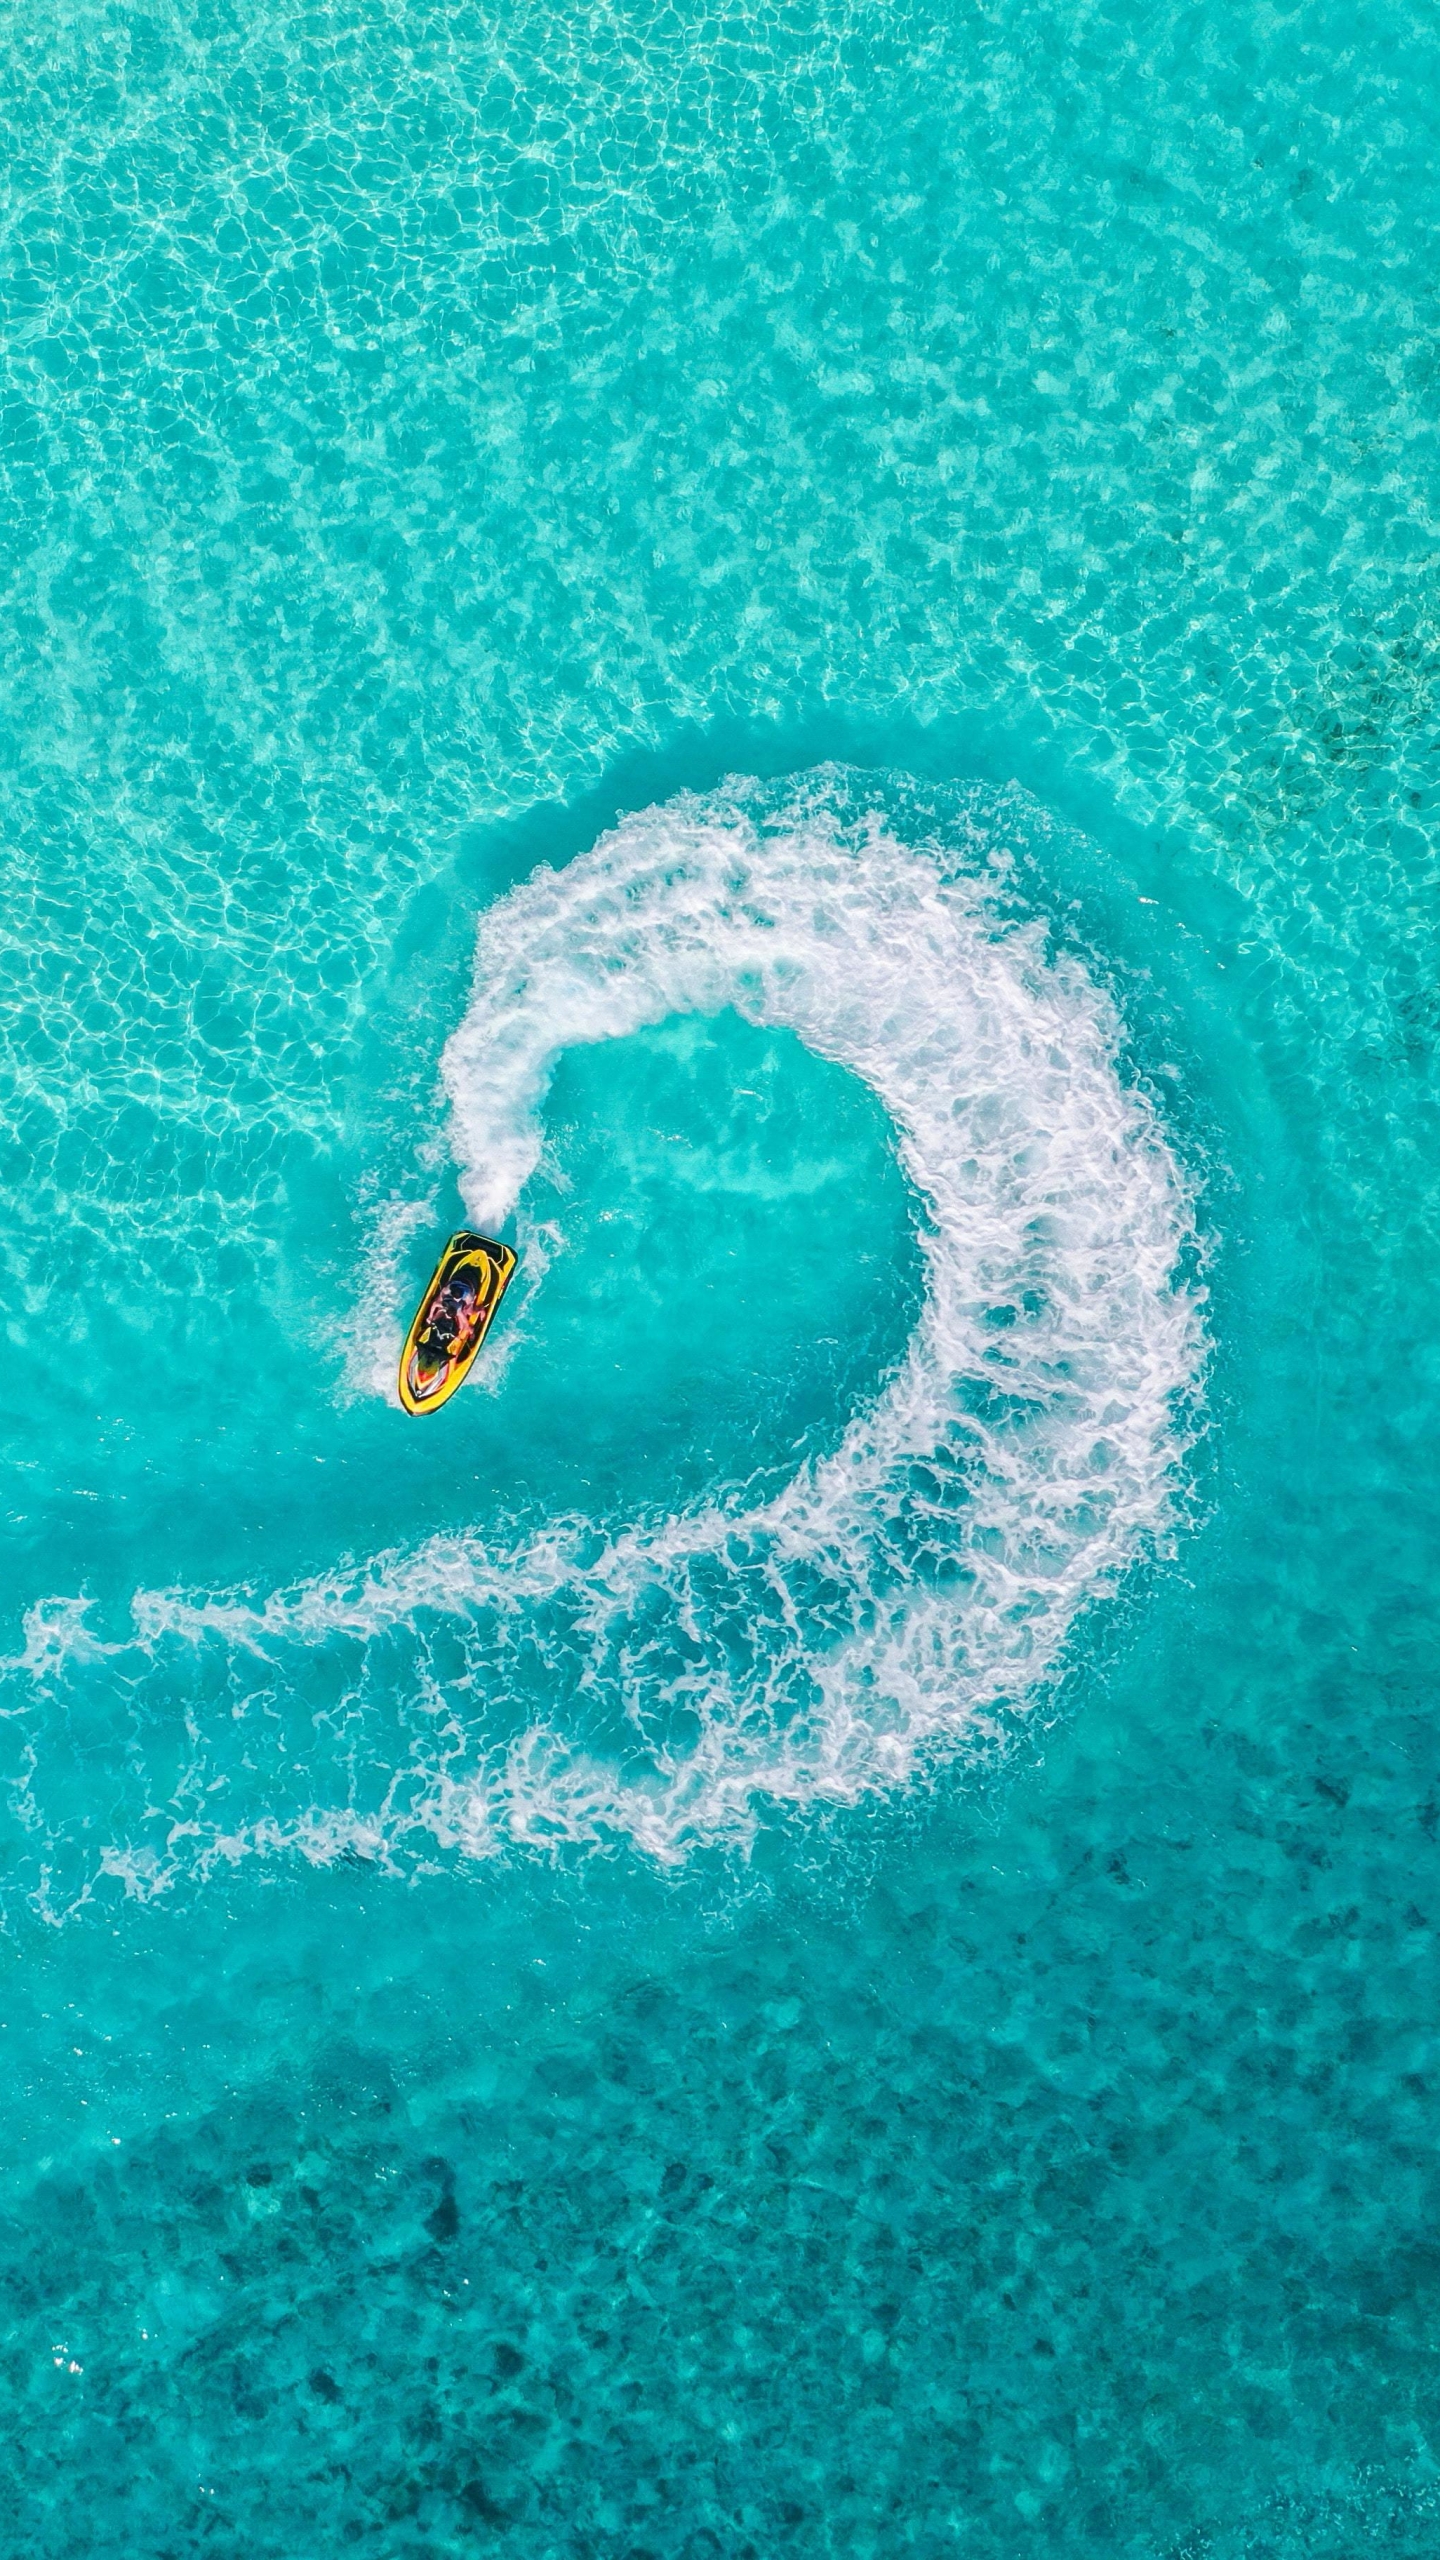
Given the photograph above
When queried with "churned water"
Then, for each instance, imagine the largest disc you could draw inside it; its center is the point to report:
(793, 657)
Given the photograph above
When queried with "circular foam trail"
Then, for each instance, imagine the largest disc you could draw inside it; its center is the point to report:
(897, 1594)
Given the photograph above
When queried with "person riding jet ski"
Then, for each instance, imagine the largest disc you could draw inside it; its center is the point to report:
(452, 1317)
(450, 1323)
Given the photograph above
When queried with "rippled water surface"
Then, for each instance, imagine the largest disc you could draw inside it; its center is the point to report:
(792, 657)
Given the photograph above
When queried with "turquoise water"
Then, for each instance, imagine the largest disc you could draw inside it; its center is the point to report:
(794, 655)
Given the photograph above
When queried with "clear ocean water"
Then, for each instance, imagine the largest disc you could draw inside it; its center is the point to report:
(792, 655)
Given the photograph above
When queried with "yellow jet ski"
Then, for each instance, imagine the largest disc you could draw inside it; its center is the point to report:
(452, 1319)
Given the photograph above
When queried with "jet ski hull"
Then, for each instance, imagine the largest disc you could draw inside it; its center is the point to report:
(452, 1319)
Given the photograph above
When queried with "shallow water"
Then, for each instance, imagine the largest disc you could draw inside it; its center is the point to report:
(794, 656)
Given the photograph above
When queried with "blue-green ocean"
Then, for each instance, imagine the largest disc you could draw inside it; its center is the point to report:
(790, 655)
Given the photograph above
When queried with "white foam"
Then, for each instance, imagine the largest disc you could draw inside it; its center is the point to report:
(896, 1594)
(377, 1328)
(57, 1635)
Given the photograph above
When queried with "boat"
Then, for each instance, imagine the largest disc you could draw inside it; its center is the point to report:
(452, 1319)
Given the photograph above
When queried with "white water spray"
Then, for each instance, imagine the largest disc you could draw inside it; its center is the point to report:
(897, 1593)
